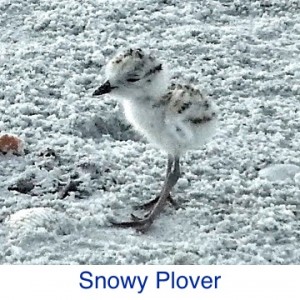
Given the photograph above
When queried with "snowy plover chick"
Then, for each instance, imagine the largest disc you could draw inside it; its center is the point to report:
(175, 118)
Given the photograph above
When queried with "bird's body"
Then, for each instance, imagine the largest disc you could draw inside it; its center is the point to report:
(181, 119)
(175, 118)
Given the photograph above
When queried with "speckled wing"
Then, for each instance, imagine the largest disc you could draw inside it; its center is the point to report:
(190, 117)
(186, 103)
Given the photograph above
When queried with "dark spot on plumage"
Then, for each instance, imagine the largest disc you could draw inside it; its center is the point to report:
(178, 129)
(206, 104)
(132, 79)
(128, 52)
(139, 52)
(184, 106)
(198, 121)
(167, 97)
(154, 70)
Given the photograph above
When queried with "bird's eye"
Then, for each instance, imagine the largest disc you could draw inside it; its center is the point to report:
(132, 79)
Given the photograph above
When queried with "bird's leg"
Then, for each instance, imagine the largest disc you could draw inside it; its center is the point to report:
(144, 224)
(149, 205)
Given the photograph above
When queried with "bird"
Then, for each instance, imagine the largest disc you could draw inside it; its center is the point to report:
(174, 117)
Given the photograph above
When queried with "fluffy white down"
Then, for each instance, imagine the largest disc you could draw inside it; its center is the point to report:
(162, 132)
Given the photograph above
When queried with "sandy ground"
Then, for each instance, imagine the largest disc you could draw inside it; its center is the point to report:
(239, 196)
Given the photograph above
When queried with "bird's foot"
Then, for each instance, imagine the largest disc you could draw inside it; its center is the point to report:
(140, 224)
(149, 205)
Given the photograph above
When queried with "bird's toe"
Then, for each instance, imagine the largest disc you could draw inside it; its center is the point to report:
(141, 225)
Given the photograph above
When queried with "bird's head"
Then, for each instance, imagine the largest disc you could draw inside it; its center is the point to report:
(132, 74)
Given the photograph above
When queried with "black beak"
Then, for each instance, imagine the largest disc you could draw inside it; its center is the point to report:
(103, 89)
